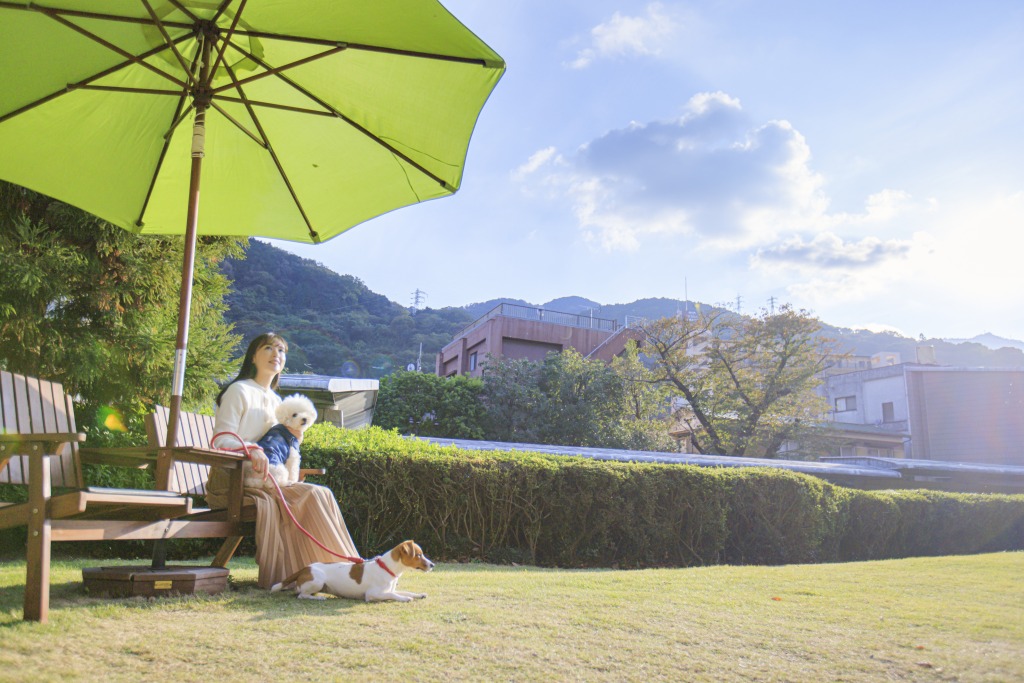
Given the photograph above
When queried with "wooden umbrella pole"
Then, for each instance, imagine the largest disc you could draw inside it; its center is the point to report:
(201, 99)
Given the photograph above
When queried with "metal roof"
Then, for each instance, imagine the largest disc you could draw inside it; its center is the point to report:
(848, 474)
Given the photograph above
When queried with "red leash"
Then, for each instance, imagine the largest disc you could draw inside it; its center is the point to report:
(284, 503)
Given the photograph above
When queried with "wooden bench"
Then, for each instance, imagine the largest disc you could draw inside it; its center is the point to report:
(39, 448)
(185, 469)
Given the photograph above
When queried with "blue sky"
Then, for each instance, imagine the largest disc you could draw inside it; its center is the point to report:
(862, 160)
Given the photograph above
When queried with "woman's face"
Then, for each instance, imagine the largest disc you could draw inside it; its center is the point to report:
(269, 361)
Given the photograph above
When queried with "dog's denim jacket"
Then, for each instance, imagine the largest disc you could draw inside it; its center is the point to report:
(277, 443)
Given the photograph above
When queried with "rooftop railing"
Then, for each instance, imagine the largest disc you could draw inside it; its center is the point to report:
(542, 315)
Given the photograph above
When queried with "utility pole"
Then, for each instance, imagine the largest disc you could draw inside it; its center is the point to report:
(739, 303)
(771, 302)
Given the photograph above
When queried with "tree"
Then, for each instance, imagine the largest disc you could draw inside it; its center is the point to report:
(581, 400)
(512, 398)
(570, 400)
(749, 382)
(643, 422)
(428, 405)
(95, 307)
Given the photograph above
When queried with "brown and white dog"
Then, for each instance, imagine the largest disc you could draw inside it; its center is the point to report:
(375, 579)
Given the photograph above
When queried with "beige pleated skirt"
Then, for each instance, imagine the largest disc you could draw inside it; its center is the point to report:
(281, 547)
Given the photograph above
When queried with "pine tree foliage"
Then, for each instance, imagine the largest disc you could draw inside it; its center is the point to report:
(95, 307)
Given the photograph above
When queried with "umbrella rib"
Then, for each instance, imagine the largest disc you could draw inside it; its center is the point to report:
(229, 117)
(177, 121)
(372, 48)
(275, 71)
(184, 10)
(80, 84)
(256, 34)
(180, 112)
(380, 141)
(32, 7)
(179, 115)
(220, 11)
(111, 46)
(273, 155)
(227, 38)
(111, 88)
(274, 105)
(167, 38)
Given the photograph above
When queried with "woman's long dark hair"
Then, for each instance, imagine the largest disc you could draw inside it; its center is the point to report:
(248, 370)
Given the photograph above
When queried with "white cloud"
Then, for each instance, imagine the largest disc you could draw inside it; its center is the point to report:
(827, 250)
(624, 36)
(536, 161)
(708, 173)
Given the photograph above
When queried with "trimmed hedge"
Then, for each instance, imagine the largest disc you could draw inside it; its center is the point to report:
(548, 510)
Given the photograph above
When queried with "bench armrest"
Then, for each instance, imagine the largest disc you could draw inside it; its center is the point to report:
(204, 456)
(58, 437)
(34, 444)
(305, 472)
(128, 456)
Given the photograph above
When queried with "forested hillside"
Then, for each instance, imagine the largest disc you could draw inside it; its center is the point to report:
(336, 326)
(333, 323)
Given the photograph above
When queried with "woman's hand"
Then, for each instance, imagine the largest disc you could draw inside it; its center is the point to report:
(259, 461)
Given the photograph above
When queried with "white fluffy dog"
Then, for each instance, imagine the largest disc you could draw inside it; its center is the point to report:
(294, 415)
(371, 580)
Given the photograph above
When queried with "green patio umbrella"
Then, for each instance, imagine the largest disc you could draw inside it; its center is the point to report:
(298, 118)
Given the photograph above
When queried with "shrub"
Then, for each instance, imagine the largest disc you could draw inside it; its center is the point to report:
(576, 512)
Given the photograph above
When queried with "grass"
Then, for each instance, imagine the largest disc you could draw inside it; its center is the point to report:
(928, 619)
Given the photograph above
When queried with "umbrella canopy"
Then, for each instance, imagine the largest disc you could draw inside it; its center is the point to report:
(298, 119)
(320, 114)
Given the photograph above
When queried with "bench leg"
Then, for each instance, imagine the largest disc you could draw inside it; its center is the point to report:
(227, 551)
(37, 558)
(37, 574)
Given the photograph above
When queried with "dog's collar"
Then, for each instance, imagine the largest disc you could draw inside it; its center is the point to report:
(380, 562)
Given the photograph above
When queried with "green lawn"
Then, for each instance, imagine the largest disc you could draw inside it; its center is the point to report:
(928, 619)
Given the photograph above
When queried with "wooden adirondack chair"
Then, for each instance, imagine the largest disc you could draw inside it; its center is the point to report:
(186, 468)
(39, 449)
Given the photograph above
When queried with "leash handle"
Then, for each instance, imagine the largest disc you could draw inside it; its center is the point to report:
(280, 494)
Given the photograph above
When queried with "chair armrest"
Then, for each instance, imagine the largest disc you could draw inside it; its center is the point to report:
(204, 456)
(35, 444)
(53, 438)
(128, 456)
(305, 472)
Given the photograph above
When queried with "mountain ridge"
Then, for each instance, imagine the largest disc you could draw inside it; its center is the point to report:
(338, 326)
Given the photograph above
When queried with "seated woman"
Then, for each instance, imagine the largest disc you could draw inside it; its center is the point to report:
(246, 407)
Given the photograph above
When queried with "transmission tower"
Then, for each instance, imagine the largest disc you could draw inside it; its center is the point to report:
(418, 297)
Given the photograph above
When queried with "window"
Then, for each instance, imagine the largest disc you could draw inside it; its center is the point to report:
(888, 414)
(472, 361)
(845, 403)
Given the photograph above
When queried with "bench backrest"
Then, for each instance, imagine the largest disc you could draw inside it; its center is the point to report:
(33, 406)
(193, 430)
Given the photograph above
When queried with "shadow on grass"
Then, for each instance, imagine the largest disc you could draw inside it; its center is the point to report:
(243, 596)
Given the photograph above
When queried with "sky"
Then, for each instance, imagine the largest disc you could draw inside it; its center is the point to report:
(863, 161)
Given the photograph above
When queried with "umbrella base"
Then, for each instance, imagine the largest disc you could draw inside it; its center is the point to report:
(127, 582)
